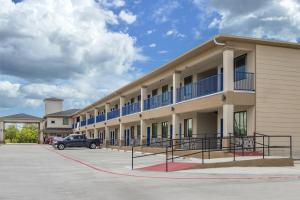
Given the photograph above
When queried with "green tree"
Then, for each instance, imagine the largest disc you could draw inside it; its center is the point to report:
(11, 133)
(28, 134)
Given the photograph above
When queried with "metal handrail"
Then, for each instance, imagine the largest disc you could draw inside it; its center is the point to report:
(233, 147)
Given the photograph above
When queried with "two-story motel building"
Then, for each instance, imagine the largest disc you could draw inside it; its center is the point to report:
(227, 85)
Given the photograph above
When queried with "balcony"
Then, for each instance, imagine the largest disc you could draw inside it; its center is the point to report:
(244, 81)
(100, 118)
(91, 121)
(132, 108)
(83, 123)
(206, 86)
(163, 99)
(113, 114)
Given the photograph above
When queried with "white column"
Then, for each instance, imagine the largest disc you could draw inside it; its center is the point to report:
(143, 96)
(228, 68)
(219, 77)
(176, 84)
(107, 109)
(143, 132)
(106, 135)
(87, 116)
(95, 114)
(228, 111)
(121, 134)
(122, 101)
(2, 132)
(175, 123)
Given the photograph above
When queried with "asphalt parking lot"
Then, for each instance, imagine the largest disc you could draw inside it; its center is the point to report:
(39, 172)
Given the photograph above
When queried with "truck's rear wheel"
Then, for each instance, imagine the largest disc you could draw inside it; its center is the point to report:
(93, 146)
(61, 146)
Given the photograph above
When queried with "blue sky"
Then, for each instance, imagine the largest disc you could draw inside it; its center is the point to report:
(83, 50)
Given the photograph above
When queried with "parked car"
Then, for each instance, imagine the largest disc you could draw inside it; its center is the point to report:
(76, 140)
(52, 139)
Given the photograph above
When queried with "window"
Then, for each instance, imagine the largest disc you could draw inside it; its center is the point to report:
(132, 132)
(154, 92)
(240, 67)
(132, 100)
(240, 123)
(52, 122)
(164, 129)
(188, 86)
(65, 121)
(154, 130)
(188, 127)
(139, 98)
(138, 127)
(164, 90)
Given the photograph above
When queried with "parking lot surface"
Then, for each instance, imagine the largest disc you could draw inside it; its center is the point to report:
(40, 172)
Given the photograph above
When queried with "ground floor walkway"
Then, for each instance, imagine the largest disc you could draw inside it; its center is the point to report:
(39, 172)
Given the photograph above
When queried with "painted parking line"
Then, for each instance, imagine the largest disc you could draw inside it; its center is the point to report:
(256, 177)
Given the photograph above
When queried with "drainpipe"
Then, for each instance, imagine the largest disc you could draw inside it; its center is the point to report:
(218, 43)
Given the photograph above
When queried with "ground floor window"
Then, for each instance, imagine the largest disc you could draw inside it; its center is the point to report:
(164, 129)
(132, 132)
(154, 130)
(188, 127)
(240, 123)
(138, 127)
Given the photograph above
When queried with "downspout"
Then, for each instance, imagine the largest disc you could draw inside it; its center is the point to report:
(218, 43)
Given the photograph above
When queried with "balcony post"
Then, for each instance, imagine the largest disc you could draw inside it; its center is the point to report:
(143, 132)
(107, 136)
(228, 69)
(107, 109)
(228, 111)
(95, 115)
(121, 135)
(175, 123)
(122, 101)
(176, 84)
(86, 118)
(143, 96)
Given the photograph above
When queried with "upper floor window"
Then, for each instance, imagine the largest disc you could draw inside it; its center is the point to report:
(240, 67)
(65, 121)
(154, 92)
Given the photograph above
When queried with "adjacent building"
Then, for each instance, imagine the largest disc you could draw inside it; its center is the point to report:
(227, 85)
(56, 121)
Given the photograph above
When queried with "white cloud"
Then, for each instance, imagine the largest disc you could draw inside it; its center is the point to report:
(152, 45)
(275, 19)
(163, 13)
(150, 31)
(62, 48)
(112, 3)
(162, 52)
(127, 17)
(175, 33)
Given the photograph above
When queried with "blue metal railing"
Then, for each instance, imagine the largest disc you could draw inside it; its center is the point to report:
(83, 123)
(113, 114)
(91, 121)
(131, 108)
(206, 86)
(100, 118)
(244, 81)
(163, 99)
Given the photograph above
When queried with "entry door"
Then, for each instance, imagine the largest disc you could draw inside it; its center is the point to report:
(148, 135)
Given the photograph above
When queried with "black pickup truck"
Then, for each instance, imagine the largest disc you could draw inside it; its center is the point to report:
(77, 140)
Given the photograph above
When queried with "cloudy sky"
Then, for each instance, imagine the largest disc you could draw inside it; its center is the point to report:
(80, 50)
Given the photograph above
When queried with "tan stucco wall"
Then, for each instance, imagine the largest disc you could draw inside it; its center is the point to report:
(58, 122)
(278, 92)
